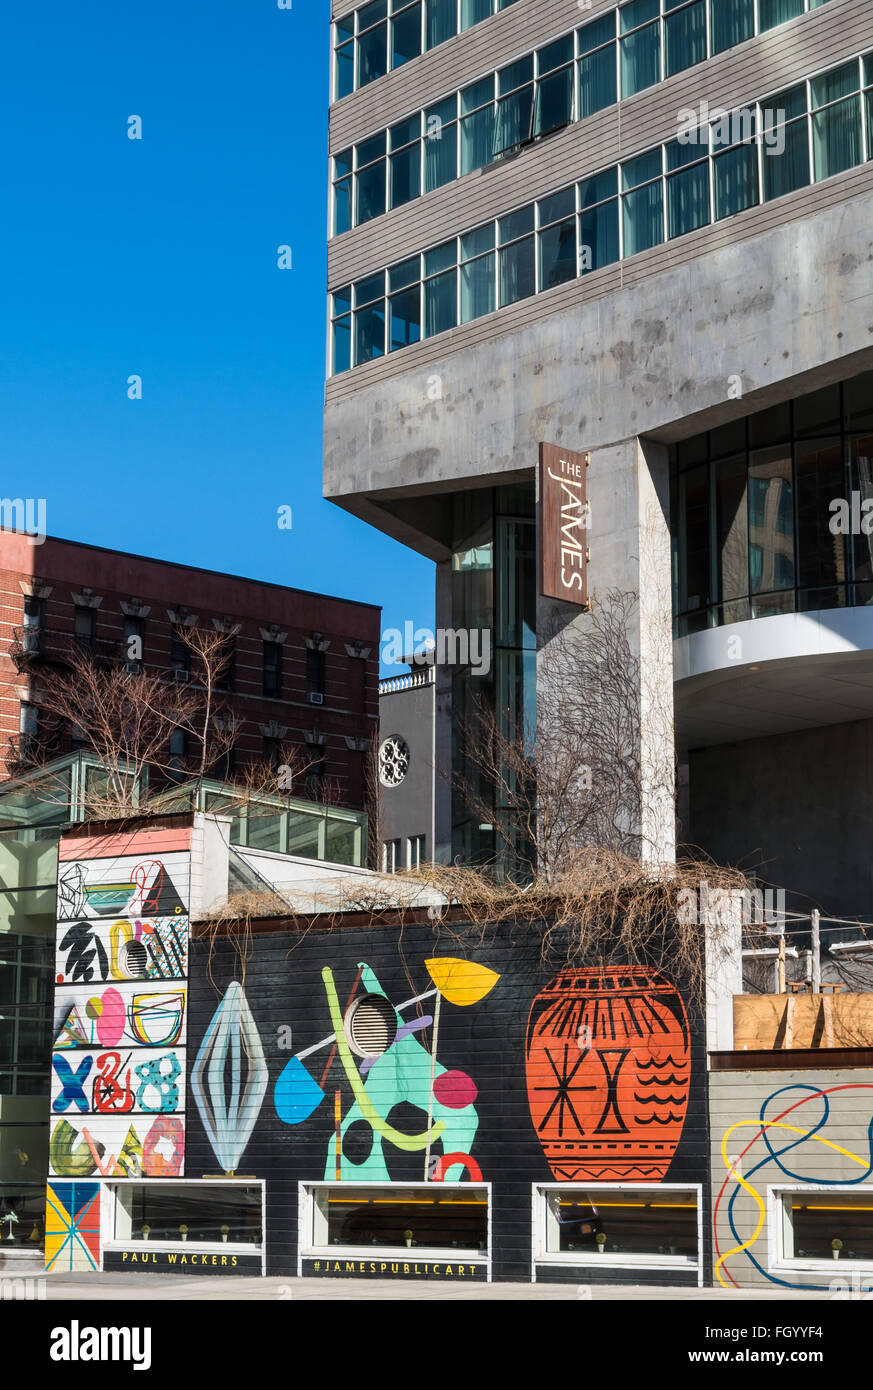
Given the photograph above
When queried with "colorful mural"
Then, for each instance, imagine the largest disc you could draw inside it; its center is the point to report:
(817, 1132)
(385, 1065)
(608, 1074)
(118, 1080)
(72, 1226)
(228, 1108)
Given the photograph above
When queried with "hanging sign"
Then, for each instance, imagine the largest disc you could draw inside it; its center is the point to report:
(563, 525)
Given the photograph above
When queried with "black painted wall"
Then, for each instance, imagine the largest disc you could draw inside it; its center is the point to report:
(284, 988)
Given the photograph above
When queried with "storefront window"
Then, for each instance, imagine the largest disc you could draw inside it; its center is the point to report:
(201, 1213)
(833, 1225)
(621, 1224)
(401, 1218)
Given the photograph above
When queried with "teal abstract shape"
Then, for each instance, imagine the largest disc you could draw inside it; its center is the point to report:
(296, 1095)
(400, 1074)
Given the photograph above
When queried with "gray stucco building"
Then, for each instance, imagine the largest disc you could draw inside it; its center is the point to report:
(644, 232)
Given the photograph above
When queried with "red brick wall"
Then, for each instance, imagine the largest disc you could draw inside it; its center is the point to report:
(351, 684)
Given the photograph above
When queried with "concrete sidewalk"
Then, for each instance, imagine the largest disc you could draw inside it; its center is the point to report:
(144, 1287)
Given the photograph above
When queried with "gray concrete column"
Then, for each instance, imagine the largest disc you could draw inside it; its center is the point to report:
(629, 542)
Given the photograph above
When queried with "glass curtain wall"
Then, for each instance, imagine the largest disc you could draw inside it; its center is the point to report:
(28, 875)
(493, 591)
(769, 514)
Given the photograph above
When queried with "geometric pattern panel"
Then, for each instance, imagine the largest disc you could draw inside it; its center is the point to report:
(72, 1226)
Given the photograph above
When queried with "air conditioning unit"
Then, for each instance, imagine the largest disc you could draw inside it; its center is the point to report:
(181, 674)
(315, 697)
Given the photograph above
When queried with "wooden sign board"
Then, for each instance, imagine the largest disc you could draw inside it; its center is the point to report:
(563, 525)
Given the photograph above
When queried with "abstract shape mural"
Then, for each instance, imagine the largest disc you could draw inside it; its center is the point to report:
(405, 1077)
(72, 1226)
(780, 1136)
(229, 1110)
(608, 1073)
(118, 1063)
(113, 1016)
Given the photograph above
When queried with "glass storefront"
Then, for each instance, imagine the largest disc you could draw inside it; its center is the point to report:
(28, 872)
(773, 514)
(493, 592)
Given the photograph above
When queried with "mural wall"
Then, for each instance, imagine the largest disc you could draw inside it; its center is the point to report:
(484, 1066)
(780, 1140)
(121, 1015)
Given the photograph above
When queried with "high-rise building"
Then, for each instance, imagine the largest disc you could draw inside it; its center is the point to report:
(640, 232)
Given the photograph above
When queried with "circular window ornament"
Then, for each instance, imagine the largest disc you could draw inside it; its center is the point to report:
(393, 761)
(370, 1025)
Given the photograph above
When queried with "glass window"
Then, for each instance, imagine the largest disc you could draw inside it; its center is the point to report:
(837, 136)
(517, 271)
(688, 200)
(440, 144)
(598, 82)
(405, 273)
(600, 31)
(732, 536)
(553, 104)
(820, 476)
(272, 684)
(440, 257)
(342, 344)
(472, 11)
(344, 70)
(559, 205)
(642, 218)
(406, 36)
(441, 21)
(684, 36)
(405, 178)
(372, 54)
(404, 318)
(598, 187)
(815, 1224)
(370, 332)
(477, 94)
(730, 22)
(598, 236)
(558, 254)
(513, 124)
(342, 205)
(478, 288)
(735, 180)
(773, 12)
(477, 139)
(440, 303)
(599, 1222)
(404, 132)
(401, 1218)
(370, 192)
(784, 157)
(478, 241)
(771, 510)
(695, 579)
(640, 58)
(515, 224)
(225, 1213)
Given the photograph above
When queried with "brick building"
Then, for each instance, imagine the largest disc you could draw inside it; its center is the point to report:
(304, 671)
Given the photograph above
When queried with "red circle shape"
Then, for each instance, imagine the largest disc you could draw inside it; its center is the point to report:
(455, 1089)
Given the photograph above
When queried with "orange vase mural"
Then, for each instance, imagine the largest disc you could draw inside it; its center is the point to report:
(608, 1073)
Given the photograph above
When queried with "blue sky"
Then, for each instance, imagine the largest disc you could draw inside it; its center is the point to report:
(158, 257)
